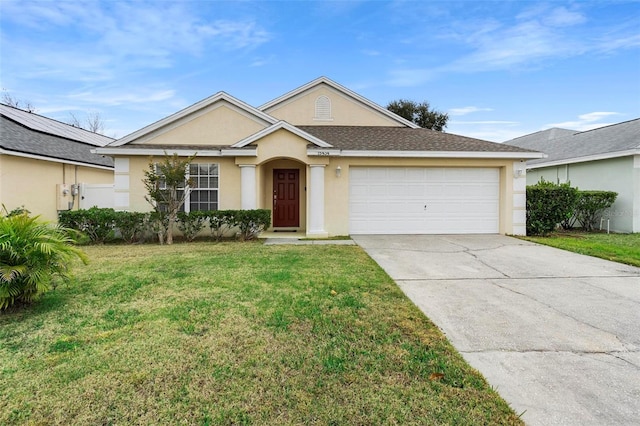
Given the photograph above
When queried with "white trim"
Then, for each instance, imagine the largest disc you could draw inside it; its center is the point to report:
(316, 200)
(595, 157)
(342, 89)
(429, 154)
(278, 126)
(198, 106)
(248, 188)
(54, 160)
(221, 152)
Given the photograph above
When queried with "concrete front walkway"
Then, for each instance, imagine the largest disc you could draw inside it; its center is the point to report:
(557, 334)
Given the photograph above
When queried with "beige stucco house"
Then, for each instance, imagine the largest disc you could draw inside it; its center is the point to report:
(47, 166)
(326, 162)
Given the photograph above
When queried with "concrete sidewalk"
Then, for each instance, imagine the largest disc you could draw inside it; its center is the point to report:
(556, 333)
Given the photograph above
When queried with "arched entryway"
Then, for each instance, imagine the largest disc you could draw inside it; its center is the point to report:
(284, 192)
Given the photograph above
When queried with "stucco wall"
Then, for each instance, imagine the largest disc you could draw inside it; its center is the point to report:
(221, 124)
(616, 174)
(32, 183)
(345, 111)
(130, 195)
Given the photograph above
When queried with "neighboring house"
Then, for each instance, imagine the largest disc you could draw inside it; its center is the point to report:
(47, 166)
(607, 159)
(326, 161)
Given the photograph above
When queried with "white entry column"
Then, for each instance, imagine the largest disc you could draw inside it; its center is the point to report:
(316, 201)
(248, 186)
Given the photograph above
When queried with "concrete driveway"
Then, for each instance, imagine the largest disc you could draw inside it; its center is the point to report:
(557, 334)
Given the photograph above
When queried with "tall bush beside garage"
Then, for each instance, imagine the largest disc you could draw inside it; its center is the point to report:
(548, 204)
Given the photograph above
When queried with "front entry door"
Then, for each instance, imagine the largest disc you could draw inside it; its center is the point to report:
(286, 194)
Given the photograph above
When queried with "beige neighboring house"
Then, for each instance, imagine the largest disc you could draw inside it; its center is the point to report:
(327, 162)
(47, 166)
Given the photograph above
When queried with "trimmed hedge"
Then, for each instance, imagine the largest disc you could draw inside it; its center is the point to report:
(98, 224)
(549, 204)
(104, 224)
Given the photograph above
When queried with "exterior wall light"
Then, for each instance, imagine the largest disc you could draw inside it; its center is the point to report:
(338, 171)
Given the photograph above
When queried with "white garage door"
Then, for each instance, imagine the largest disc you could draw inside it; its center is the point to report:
(423, 200)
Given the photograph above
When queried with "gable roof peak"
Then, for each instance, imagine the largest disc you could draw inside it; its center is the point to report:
(338, 87)
(192, 109)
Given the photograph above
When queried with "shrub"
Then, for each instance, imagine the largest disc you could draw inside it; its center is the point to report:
(591, 204)
(131, 225)
(221, 222)
(32, 255)
(549, 204)
(252, 222)
(190, 224)
(97, 223)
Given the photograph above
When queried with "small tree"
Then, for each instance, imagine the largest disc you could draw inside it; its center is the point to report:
(167, 188)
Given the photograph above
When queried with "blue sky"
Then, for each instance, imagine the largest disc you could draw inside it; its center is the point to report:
(501, 69)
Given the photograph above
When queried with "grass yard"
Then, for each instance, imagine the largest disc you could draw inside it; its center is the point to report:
(623, 248)
(234, 333)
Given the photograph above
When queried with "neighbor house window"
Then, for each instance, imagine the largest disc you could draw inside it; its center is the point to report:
(204, 187)
(323, 108)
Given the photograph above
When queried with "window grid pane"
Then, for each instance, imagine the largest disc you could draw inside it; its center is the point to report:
(204, 193)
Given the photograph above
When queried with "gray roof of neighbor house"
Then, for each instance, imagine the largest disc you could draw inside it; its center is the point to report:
(571, 146)
(52, 127)
(29, 139)
(376, 138)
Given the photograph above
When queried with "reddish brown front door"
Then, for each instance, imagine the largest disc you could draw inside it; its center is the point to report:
(286, 193)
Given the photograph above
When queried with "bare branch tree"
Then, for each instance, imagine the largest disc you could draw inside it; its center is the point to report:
(12, 101)
(93, 122)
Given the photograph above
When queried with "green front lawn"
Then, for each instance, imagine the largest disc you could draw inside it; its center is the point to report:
(234, 333)
(623, 248)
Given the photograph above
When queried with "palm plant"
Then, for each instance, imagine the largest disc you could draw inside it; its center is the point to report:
(33, 254)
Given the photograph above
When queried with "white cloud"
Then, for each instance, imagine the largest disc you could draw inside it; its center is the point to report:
(588, 121)
(109, 97)
(467, 110)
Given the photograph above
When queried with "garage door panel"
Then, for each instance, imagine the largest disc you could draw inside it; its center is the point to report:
(413, 200)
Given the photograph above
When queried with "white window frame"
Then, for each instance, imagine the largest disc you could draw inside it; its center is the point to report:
(187, 202)
(186, 207)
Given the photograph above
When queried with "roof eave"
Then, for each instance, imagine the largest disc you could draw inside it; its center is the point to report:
(53, 159)
(423, 154)
(278, 126)
(186, 152)
(587, 158)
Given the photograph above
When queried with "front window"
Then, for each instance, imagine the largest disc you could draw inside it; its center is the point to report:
(204, 187)
(203, 194)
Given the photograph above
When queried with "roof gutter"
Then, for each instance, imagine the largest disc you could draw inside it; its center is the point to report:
(53, 159)
(595, 157)
(422, 154)
(181, 152)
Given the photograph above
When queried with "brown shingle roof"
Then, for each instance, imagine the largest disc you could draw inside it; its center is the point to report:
(375, 138)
